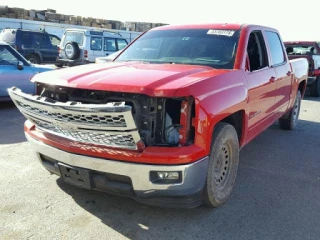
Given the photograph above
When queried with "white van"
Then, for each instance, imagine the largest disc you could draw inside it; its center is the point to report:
(81, 46)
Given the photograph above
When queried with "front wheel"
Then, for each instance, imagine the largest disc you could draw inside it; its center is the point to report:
(289, 120)
(223, 165)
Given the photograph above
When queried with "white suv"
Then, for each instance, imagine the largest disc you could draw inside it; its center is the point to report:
(81, 46)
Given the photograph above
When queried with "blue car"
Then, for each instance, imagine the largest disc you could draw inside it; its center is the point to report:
(16, 71)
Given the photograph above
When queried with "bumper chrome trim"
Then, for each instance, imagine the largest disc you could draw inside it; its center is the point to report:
(193, 175)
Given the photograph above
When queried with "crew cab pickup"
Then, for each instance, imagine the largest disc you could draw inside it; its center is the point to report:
(311, 51)
(164, 122)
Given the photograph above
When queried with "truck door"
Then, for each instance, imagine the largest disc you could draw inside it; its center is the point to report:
(282, 69)
(261, 85)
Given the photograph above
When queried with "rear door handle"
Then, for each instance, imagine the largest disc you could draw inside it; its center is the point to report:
(272, 79)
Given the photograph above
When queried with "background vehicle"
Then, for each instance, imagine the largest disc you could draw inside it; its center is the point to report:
(36, 46)
(80, 46)
(165, 121)
(15, 70)
(311, 51)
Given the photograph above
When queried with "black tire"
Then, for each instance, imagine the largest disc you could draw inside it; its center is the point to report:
(72, 50)
(33, 59)
(315, 88)
(289, 120)
(59, 65)
(223, 165)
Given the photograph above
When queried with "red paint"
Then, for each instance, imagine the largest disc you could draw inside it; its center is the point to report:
(217, 94)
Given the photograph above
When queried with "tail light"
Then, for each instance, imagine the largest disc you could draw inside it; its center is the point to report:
(59, 50)
(85, 53)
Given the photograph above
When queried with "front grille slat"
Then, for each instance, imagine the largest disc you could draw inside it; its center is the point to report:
(110, 124)
(104, 120)
(108, 139)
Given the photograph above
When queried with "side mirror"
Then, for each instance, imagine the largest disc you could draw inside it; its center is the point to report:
(20, 65)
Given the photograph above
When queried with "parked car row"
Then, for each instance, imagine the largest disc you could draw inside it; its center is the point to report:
(77, 46)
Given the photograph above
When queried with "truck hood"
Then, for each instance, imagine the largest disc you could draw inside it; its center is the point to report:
(132, 77)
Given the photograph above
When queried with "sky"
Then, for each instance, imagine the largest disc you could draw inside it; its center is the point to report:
(294, 21)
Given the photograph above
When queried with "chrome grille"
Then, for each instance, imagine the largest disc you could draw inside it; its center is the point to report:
(109, 124)
(109, 139)
(105, 119)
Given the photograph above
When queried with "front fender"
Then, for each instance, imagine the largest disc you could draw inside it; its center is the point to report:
(215, 99)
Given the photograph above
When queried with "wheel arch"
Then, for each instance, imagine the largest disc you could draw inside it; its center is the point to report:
(302, 87)
(235, 119)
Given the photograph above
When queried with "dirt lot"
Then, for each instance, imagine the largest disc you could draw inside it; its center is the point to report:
(276, 196)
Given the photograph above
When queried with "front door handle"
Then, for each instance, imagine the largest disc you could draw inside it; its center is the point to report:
(272, 79)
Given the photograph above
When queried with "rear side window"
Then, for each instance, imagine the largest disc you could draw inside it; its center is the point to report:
(41, 40)
(74, 37)
(110, 44)
(26, 39)
(55, 41)
(96, 43)
(277, 54)
(122, 43)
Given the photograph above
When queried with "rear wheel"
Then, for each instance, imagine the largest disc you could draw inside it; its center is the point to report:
(223, 165)
(33, 59)
(315, 88)
(289, 120)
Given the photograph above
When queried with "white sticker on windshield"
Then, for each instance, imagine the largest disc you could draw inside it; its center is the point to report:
(228, 33)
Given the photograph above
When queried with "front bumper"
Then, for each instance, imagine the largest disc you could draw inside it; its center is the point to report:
(131, 179)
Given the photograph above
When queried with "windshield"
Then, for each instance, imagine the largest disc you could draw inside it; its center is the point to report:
(74, 37)
(209, 47)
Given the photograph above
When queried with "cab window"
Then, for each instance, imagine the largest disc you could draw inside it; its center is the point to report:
(110, 44)
(256, 50)
(96, 43)
(277, 54)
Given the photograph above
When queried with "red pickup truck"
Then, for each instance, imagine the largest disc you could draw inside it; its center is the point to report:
(165, 121)
(311, 51)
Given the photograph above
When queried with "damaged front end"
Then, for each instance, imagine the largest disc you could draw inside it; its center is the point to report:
(117, 120)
